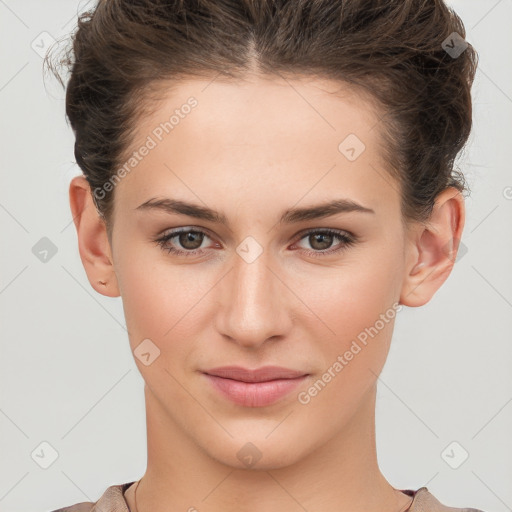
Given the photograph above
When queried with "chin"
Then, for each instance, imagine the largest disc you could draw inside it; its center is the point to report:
(255, 453)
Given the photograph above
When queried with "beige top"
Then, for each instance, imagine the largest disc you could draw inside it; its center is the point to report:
(113, 500)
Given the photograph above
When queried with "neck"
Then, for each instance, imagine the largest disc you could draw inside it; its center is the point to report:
(336, 476)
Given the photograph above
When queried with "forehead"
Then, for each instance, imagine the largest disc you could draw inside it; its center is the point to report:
(253, 110)
(240, 136)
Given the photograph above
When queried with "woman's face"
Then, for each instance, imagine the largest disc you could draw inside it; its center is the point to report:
(259, 280)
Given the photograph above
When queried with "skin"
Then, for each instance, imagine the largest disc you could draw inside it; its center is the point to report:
(251, 150)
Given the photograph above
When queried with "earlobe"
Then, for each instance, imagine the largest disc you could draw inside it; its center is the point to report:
(433, 250)
(93, 244)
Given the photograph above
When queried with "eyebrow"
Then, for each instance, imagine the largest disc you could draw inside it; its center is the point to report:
(290, 216)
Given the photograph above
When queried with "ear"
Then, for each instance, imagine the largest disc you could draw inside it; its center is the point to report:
(93, 243)
(432, 249)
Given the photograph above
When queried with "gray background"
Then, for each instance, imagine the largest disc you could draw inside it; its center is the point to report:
(68, 377)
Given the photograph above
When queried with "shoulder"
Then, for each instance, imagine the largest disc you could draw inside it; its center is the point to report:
(112, 500)
(424, 501)
(85, 506)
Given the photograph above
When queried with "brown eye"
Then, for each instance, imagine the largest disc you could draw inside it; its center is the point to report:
(191, 240)
(183, 242)
(321, 241)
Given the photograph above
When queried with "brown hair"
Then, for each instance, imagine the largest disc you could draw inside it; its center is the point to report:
(392, 51)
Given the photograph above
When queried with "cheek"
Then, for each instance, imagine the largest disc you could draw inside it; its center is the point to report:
(161, 301)
(358, 311)
(351, 298)
(165, 302)
(355, 307)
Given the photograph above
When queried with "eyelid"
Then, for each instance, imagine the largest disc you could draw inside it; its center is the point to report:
(298, 236)
(163, 239)
(346, 239)
(338, 231)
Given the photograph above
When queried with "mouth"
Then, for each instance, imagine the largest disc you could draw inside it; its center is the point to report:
(254, 388)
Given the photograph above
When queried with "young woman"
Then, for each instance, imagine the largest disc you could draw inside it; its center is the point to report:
(266, 184)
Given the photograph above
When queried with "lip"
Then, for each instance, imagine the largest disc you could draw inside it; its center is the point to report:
(263, 374)
(254, 388)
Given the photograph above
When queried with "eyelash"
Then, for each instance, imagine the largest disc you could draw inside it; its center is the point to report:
(346, 239)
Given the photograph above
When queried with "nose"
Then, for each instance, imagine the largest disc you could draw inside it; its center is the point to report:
(255, 302)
